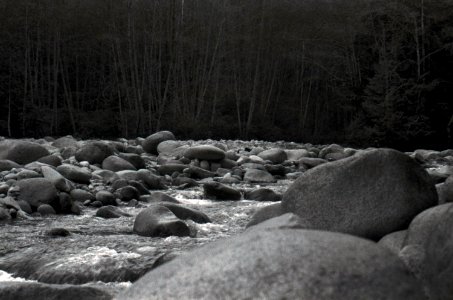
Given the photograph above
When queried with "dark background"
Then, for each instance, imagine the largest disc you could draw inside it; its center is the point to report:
(363, 73)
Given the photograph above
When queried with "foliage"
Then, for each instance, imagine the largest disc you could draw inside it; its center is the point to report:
(357, 72)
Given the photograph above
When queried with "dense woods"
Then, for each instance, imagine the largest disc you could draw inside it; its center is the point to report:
(365, 72)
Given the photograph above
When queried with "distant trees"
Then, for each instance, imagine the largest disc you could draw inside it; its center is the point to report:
(366, 72)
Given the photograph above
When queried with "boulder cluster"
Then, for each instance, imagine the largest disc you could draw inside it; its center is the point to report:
(354, 224)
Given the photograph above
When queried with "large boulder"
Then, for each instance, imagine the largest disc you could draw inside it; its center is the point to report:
(276, 156)
(205, 152)
(94, 152)
(116, 163)
(218, 191)
(151, 142)
(36, 191)
(430, 242)
(281, 264)
(159, 221)
(40, 291)
(370, 194)
(21, 152)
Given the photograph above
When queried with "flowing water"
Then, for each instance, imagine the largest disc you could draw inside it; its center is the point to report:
(105, 252)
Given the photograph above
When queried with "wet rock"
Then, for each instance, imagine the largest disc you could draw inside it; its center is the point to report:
(21, 152)
(159, 221)
(165, 258)
(161, 197)
(263, 194)
(277, 170)
(136, 160)
(97, 203)
(266, 213)
(151, 181)
(75, 173)
(258, 176)
(41, 291)
(94, 152)
(309, 264)
(58, 232)
(36, 191)
(186, 213)
(25, 206)
(51, 160)
(127, 193)
(106, 198)
(65, 203)
(394, 241)
(116, 163)
(7, 165)
(339, 196)
(230, 179)
(46, 209)
(5, 214)
(56, 178)
(139, 187)
(151, 142)
(110, 212)
(276, 156)
(219, 191)
(184, 182)
(204, 152)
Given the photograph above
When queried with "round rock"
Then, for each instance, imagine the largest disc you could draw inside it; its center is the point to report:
(159, 221)
(204, 152)
(370, 194)
(151, 142)
(281, 264)
(21, 152)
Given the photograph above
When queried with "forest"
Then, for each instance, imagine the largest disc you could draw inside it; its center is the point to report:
(362, 73)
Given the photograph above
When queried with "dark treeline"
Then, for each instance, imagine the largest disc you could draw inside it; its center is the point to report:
(357, 72)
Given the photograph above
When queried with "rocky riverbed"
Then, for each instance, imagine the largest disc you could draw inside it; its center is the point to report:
(92, 217)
